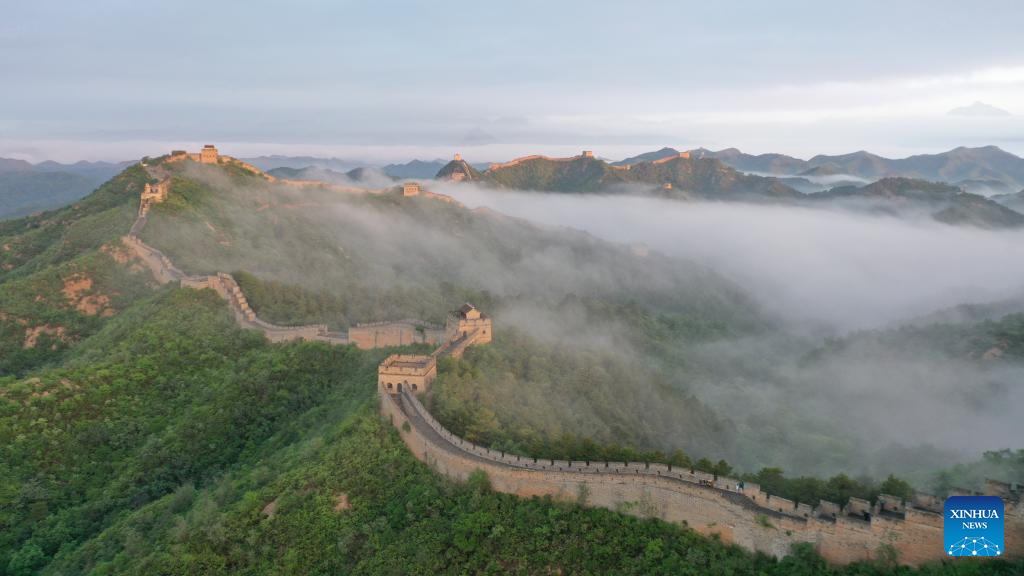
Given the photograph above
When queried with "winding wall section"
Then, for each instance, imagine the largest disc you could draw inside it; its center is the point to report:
(711, 505)
(738, 512)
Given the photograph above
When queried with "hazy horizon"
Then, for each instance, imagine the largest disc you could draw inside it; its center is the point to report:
(359, 155)
(394, 81)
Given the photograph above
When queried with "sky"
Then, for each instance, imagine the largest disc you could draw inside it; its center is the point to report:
(387, 81)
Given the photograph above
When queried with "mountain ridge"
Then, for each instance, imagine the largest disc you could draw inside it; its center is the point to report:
(961, 163)
(689, 176)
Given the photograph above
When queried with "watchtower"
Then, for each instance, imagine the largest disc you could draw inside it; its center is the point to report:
(587, 154)
(411, 372)
(467, 322)
(410, 189)
(208, 155)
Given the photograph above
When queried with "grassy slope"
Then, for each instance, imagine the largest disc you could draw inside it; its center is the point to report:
(35, 242)
(38, 303)
(38, 254)
(157, 443)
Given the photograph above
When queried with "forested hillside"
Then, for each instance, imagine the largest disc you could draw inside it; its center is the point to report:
(143, 432)
(173, 443)
(690, 178)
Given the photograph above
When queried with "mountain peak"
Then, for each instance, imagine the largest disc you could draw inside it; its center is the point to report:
(458, 170)
(979, 109)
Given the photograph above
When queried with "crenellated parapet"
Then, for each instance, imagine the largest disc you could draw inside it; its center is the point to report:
(366, 336)
(415, 373)
(737, 512)
(395, 333)
(153, 194)
(671, 158)
(164, 271)
(586, 154)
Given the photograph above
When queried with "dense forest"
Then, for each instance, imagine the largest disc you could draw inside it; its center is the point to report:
(173, 443)
(142, 432)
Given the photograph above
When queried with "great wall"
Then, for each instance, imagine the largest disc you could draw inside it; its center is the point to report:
(737, 512)
(586, 154)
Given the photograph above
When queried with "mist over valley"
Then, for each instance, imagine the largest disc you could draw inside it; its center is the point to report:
(538, 288)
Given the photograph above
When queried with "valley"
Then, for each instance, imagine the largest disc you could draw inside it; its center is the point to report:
(217, 218)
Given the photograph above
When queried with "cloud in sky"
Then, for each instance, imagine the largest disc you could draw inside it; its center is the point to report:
(790, 76)
(979, 108)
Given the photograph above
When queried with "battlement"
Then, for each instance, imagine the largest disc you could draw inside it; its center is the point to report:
(406, 372)
(586, 154)
(671, 158)
(395, 333)
(737, 512)
(208, 155)
(520, 160)
(153, 194)
(467, 323)
(1008, 492)
(410, 189)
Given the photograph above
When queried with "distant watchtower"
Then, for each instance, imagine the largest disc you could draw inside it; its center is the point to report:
(587, 154)
(410, 189)
(208, 155)
(466, 322)
(458, 157)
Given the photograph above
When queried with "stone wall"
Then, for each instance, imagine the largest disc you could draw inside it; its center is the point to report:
(406, 371)
(161, 266)
(671, 158)
(153, 194)
(745, 516)
(520, 160)
(395, 333)
(739, 513)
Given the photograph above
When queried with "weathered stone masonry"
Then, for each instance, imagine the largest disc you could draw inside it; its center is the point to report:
(711, 505)
(738, 513)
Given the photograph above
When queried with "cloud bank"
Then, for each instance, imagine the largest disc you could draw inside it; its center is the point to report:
(839, 269)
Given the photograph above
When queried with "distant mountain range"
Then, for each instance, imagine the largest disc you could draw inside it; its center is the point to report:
(698, 176)
(989, 165)
(268, 163)
(422, 169)
(1012, 201)
(986, 170)
(900, 196)
(673, 177)
(860, 179)
(26, 188)
(370, 177)
(413, 169)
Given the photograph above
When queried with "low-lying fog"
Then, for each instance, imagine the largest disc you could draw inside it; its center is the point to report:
(813, 266)
(827, 272)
